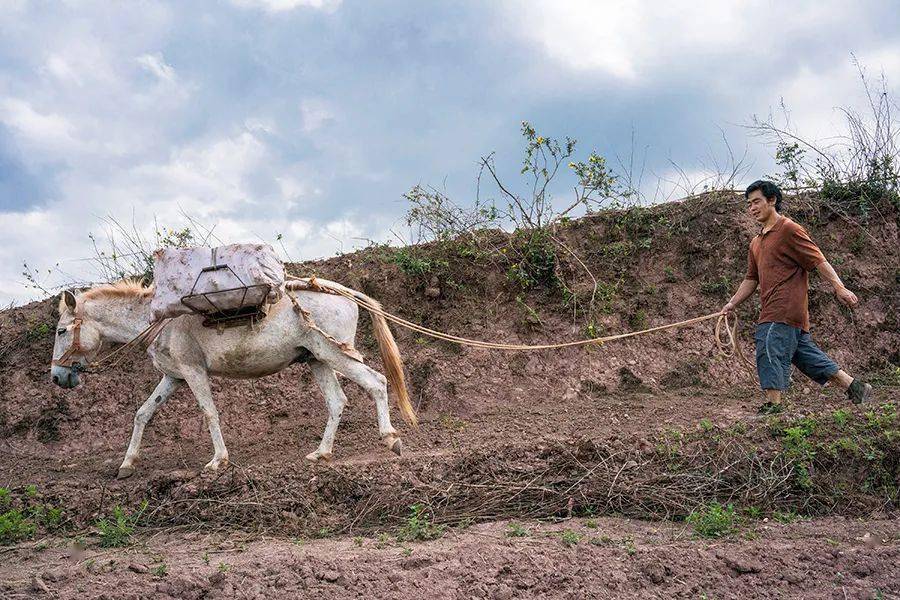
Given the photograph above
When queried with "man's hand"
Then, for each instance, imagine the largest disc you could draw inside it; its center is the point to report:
(846, 296)
(728, 309)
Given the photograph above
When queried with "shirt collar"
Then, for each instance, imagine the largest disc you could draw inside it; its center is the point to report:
(778, 222)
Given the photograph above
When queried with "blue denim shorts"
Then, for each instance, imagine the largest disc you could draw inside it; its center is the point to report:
(778, 345)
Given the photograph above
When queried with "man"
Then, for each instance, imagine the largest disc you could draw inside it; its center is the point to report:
(779, 262)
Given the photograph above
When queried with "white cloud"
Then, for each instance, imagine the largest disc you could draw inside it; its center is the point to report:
(276, 6)
(629, 41)
(156, 64)
(37, 131)
(314, 114)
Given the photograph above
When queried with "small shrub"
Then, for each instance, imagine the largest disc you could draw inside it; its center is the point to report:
(720, 286)
(411, 265)
(787, 516)
(117, 532)
(569, 538)
(713, 520)
(753, 512)
(419, 526)
(14, 527)
(840, 417)
(638, 319)
(39, 331)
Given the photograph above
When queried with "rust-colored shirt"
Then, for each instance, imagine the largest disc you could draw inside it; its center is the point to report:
(780, 259)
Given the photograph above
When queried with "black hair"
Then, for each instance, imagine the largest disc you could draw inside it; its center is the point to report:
(768, 189)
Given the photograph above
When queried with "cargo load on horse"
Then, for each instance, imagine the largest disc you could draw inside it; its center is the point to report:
(227, 283)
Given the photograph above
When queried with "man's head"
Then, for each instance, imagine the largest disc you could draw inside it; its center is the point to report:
(763, 198)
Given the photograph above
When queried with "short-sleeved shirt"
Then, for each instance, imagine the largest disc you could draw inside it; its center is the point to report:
(780, 259)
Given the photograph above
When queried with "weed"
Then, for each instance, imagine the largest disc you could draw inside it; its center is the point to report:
(720, 286)
(516, 530)
(39, 331)
(786, 516)
(628, 544)
(638, 319)
(592, 331)
(753, 512)
(706, 424)
(383, 540)
(840, 417)
(713, 520)
(419, 526)
(223, 567)
(405, 550)
(15, 526)
(161, 570)
(590, 524)
(117, 532)
(569, 538)
(669, 273)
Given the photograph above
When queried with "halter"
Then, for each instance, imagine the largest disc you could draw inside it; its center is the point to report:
(67, 360)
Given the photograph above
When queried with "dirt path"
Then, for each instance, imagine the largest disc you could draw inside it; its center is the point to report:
(577, 558)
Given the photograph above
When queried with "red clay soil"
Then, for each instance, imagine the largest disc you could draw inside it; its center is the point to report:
(69, 443)
(578, 558)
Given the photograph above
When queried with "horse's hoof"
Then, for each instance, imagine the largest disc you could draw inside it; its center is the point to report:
(213, 466)
(125, 472)
(397, 447)
(317, 456)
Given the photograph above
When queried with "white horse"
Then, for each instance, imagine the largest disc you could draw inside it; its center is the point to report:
(186, 352)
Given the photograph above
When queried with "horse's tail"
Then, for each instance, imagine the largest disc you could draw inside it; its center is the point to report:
(390, 353)
(390, 356)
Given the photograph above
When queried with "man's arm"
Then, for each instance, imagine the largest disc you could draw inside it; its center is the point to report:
(744, 291)
(828, 273)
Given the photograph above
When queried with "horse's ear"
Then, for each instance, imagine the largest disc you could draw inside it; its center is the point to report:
(69, 297)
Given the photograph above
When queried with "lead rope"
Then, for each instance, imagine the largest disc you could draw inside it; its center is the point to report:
(729, 347)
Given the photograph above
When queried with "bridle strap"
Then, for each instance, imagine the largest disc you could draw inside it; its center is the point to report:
(66, 359)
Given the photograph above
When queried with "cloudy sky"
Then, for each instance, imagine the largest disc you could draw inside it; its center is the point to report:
(310, 118)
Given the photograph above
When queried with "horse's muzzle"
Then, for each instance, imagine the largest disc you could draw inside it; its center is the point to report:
(64, 377)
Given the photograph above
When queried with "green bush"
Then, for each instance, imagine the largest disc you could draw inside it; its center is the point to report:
(117, 531)
(419, 526)
(713, 520)
(15, 526)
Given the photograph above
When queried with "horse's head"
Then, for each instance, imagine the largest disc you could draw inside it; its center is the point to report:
(77, 342)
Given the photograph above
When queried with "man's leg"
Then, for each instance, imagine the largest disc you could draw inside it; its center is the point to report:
(819, 367)
(775, 345)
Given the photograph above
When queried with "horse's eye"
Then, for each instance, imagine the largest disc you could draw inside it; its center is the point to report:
(61, 331)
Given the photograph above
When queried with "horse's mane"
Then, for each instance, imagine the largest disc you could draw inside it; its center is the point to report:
(126, 288)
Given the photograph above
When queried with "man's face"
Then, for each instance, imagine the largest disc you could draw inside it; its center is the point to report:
(759, 207)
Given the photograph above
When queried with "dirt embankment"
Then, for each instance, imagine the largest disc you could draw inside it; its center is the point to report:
(651, 428)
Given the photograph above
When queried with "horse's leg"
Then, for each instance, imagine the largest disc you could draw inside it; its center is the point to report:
(198, 381)
(166, 386)
(373, 382)
(335, 399)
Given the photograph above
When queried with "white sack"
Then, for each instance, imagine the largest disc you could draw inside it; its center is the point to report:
(176, 270)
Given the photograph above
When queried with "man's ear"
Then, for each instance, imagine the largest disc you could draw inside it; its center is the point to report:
(69, 298)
